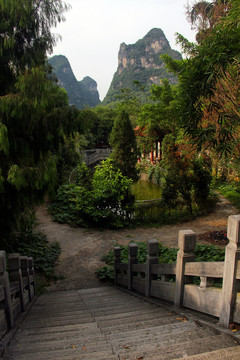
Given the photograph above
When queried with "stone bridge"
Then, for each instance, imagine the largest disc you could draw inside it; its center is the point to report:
(116, 323)
(91, 158)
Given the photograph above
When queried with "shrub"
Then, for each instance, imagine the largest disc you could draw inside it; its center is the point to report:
(165, 255)
(44, 254)
(70, 205)
(201, 182)
(106, 201)
(189, 181)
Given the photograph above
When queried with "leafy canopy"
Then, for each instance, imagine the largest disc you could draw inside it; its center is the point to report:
(34, 112)
(25, 35)
(200, 78)
(124, 144)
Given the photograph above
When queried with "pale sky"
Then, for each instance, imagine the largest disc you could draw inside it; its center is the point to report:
(94, 30)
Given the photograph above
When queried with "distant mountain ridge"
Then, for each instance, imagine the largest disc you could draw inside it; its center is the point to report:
(82, 93)
(141, 62)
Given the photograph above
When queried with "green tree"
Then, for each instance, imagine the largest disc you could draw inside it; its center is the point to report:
(158, 117)
(124, 144)
(25, 36)
(204, 15)
(33, 122)
(34, 111)
(96, 124)
(199, 76)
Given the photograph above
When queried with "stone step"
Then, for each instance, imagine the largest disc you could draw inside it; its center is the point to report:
(92, 337)
(131, 320)
(140, 325)
(58, 322)
(94, 303)
(109, 310)
(98, 290)
(160, 341)
(182, 349)
(71, 354)
(54, 315)
(230, 353)
(83, 328)
(127, 314)
(50, 307)
(105, 323)
(169, 330)
(62, 345)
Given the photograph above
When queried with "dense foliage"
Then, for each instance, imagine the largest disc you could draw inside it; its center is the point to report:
(96, 124)
(32, 124)
(208, 92)
(124, 144)
(44, 254)
(34, 112)
(103, 200)
(158, 116)
(26, 36)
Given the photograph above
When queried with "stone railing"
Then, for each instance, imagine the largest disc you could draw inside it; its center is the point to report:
(152, 279)
(90, 158)
(17, 288)
(93, 156)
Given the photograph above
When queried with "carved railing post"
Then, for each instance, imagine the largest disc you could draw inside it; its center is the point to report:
(186, 244)
(232, 255)
(132, 259)
(117, 260)
(4, 279)
(152, 258)
(32, 276)
(15, 274)
(25, 274)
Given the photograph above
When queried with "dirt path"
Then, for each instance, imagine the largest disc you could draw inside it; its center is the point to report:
(82, 248)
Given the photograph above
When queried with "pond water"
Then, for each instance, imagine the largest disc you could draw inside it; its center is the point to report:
(145, 190)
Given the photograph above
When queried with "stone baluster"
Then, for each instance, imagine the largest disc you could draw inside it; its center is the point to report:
(152, 258)
(32, 276)
(25, 274)
(232, 256)
(4, 280)
(186, 244)
(117, 260)
(15, 274)
(132, 259)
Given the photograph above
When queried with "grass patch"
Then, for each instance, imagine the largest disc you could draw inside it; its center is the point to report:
(231, 191)
(149, 215)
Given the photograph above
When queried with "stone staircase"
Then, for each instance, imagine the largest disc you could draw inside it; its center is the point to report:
(106, 323)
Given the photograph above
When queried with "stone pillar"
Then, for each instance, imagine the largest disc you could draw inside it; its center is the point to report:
(25, 273)
(4, 280)
(232, 256)
(152, 258)
(15, 274)
(186, 244)
(132, 259)
(32, 275)
(117, 260)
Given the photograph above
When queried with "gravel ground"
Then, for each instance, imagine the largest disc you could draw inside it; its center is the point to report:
(83, 248)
